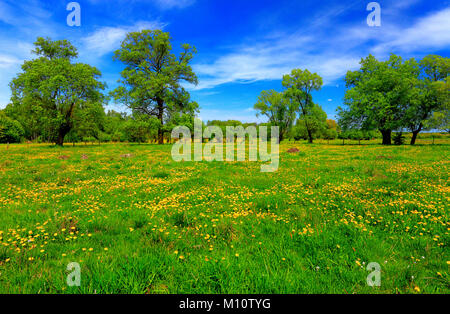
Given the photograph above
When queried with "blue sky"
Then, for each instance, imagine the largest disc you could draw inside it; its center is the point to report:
(244, 46)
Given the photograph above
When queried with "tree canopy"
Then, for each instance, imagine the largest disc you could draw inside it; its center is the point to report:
(395, 94)
(152, 80)
(299, 87)
(53, 91)
(278, 109)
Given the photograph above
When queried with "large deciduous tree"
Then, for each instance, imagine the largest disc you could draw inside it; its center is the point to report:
(429, 95)
(51, 91)
(278, 109)
(151, 81)
(377, 95)
(299, 87)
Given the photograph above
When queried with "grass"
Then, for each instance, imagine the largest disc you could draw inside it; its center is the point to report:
(138, 222)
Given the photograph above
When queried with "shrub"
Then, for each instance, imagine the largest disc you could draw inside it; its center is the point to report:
(11, 131)
(399, 138)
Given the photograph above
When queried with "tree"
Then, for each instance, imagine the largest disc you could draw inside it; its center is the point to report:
(279, 109)
(89, 123)
(55, 88)
(440, 120)
(331, 124)
(429, 93)
(137, 130)
(151, 80)
(314, 124)
(29, 117)
(11, 131)
(113, 125)
(300, 84)
(376, 95)
(330, 134)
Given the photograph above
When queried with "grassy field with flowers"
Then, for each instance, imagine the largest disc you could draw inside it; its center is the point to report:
(138, 222)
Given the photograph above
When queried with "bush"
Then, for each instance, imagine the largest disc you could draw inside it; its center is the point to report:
(118, 137)
(136, 131)
(399, 138)
(104, 137)
(11, 131)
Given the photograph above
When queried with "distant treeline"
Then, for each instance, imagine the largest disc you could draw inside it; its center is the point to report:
(56, 100)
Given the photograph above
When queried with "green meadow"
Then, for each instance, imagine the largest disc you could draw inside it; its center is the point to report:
(138, 222)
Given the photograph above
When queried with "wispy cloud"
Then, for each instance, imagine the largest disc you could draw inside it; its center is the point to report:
(432, 31)
(8, 61)
(107, 39)
(330, 55)
(170, 4)
(270, 60)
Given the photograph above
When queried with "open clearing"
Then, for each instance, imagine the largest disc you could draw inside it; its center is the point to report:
(138, 222)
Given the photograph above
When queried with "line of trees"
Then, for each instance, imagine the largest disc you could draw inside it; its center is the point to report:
(388, 96)
(397, 95)
(55, 99)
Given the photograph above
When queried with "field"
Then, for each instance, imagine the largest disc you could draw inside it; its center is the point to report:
(138, 222)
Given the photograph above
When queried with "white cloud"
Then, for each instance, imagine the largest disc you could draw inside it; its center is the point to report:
(330, 55)
(170, 4)
(107, 39)
(270, 61)
(430, 32)
(8, 61)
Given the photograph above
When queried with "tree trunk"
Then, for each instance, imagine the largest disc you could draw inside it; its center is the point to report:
(160, 136)
(310, 138)
(386, 137)
(161, 119)
(415, 133)
(414, 137)
(60, 140)
(63, 130)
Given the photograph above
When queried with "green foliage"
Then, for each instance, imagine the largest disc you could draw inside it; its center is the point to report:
(52, 91)
(151, 80)
(377, 93)
(396, 94)
(299, 86)
(137, 130)
(279, 109)
(11, 131)
(312, 125)
(399, 138)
